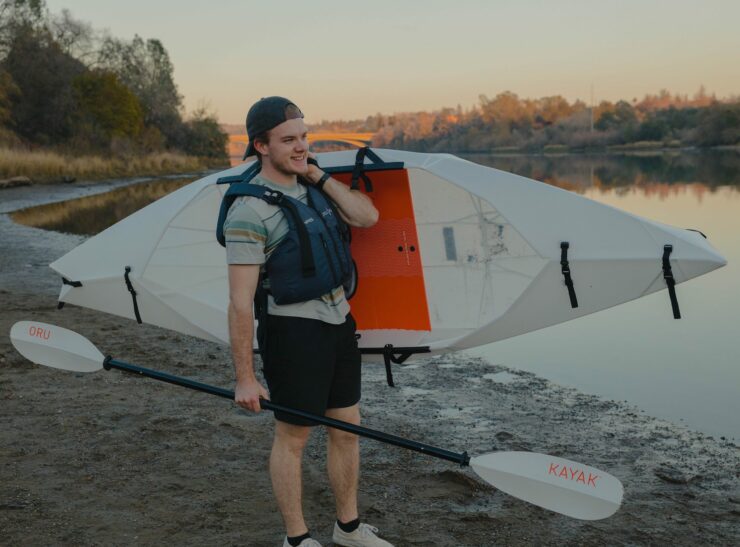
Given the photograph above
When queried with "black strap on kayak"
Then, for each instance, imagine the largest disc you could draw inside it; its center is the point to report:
(670, 281)
(698, 232)
(394, 354)
(131, 289)
(359, 170)
(388, 358)
(565, 267)
(66, 281)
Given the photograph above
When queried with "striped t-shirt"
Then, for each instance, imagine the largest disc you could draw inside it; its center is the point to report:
(254, 228)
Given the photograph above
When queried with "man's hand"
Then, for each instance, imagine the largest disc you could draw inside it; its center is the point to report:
(313, 173)
(248, 394)
(355, 208)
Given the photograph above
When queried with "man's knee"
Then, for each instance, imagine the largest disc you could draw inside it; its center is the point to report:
(350, 415)
(291, 437)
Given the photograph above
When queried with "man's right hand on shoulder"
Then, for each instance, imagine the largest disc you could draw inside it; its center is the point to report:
(248, 394)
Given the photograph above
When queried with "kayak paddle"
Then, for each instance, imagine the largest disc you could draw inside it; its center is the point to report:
(557, 484)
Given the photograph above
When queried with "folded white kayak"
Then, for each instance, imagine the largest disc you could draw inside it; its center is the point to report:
(463, 255)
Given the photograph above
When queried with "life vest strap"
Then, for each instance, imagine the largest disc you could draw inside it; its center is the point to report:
(248, 174)
(308, 266)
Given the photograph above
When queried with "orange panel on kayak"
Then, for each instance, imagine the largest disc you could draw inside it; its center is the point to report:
(390, 293)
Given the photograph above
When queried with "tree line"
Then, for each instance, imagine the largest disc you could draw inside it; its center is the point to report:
(65, 86)
(507, 121)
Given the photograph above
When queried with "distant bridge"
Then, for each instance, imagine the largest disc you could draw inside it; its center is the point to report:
(238, 143)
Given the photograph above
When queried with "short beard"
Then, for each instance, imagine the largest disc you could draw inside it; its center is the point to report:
(280, 169)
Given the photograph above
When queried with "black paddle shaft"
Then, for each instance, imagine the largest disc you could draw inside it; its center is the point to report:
(461, 458)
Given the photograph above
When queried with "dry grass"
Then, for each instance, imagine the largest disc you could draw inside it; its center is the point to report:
(42, 166)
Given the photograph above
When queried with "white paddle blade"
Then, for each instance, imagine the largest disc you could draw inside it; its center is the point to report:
(56, 347)
(557, 484)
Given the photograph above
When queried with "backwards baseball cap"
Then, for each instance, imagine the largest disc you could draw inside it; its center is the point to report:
(265, 114)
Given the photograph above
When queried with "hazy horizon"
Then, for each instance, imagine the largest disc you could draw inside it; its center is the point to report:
(348, 62)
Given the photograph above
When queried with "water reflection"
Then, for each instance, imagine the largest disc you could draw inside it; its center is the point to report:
(685, 371)
(649, 171)
(649, 174)
(92, 214)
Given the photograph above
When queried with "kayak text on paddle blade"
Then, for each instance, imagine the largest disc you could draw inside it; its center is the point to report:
(56, 347)
(561, 485)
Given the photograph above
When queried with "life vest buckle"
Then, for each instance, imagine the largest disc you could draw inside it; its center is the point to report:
(273, 197)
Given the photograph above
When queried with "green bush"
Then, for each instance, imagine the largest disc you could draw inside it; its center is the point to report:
(106, 107)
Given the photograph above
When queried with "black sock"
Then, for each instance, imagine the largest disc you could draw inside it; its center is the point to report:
(296, 541)
(349, 527)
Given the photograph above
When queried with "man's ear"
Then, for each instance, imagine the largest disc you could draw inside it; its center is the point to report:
(261, 147)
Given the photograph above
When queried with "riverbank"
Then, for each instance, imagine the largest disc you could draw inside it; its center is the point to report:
(640, 147)
(112, 459)
(45, 167)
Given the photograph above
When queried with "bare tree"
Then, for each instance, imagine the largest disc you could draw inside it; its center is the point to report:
(75, 37)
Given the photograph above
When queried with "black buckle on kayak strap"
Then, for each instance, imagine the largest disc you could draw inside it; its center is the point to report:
(131, 289)
(670, 281)
(565, 268)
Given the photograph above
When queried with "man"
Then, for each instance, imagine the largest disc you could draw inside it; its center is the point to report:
(311, 357)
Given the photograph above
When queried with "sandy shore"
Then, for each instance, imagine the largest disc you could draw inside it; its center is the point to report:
(109, 459)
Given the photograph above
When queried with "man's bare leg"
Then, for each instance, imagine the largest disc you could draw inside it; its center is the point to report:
(285, 471)
(343, 462)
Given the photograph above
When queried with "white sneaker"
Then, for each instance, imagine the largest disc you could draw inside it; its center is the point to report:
(308, 542)
(363, 536)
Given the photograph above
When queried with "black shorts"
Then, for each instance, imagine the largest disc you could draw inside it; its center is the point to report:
(311, 365)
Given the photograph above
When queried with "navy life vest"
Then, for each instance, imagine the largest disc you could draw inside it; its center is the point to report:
(314, 257)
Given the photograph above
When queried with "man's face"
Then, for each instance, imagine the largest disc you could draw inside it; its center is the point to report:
(287, 149)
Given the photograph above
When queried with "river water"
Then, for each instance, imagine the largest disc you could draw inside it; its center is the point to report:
(687, 370)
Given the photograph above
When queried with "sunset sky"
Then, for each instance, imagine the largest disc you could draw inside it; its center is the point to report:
(343, 59)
